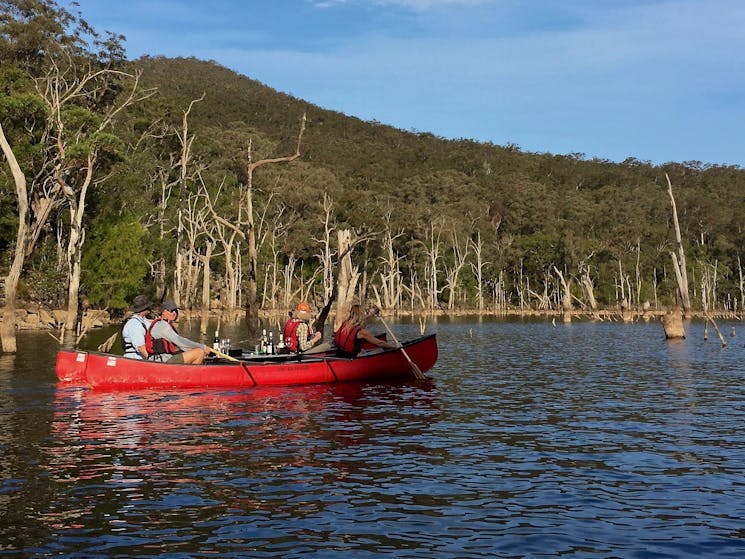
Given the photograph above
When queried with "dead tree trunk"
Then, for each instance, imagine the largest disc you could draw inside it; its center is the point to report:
(326, 254)
(672, 322)
(478, 270)
(460, 254)
(222, 229)
(390, 273)
(638, 273)
(585, 281)
(348, 277)
(742, 285)
(431, 266)
(8, 326)
(252, 310)
(679, 262)
(181, 256)
(566, 296)
(75, 242)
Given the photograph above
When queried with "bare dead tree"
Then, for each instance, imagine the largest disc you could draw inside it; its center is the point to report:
(638, 273)
(252, 311)
(585, 282)
(186, 175)
(8, 324)
(390, 272)
(348, 274)
(566, 299)
(708, 285)
(326, 251)
(679, 260)
(288, 273)
(66, 84)
(229, 234)
(276, 231)
(432, 245)
(478, 269)
(544, 302)
(460, 247)
(161, 179)
(499, 293)
(741, 284)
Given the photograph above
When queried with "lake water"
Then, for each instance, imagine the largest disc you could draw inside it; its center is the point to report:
(526, 440)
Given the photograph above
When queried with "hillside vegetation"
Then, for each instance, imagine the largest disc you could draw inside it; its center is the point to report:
(172, 209)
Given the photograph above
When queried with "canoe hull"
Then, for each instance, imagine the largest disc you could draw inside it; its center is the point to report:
(104, 371)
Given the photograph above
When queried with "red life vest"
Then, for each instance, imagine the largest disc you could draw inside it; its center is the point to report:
(346, 340)
(158, 346)
(290, 334)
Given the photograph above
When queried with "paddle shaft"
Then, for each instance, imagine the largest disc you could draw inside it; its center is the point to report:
(414, 368)
(223, 355)
(320, 322)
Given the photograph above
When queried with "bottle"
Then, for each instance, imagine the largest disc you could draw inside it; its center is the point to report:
(227, 345)
(216, 341)
(270, 347)
(280, 345)
(263, 341)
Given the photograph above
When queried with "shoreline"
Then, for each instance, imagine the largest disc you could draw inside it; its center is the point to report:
(34, 317)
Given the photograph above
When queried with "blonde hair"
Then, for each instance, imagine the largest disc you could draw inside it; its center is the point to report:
(357, 316)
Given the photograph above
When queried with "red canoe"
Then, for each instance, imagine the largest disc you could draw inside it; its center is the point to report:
(103, 370)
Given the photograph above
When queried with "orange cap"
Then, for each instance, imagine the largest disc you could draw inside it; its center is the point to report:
(303, 307)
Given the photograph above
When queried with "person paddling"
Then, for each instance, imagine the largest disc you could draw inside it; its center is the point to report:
(163, 343)
(352, 333)
(298, 334)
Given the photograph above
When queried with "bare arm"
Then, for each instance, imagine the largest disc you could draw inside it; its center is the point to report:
(365, 334)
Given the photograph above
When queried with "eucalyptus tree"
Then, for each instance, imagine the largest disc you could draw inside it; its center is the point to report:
(65, 92)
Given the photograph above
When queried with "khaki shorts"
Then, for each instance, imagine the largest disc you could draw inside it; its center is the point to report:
(176, 358)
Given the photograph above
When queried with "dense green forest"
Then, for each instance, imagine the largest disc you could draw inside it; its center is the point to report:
(181, 178)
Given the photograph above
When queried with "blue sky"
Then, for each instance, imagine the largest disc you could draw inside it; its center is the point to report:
(658, 80)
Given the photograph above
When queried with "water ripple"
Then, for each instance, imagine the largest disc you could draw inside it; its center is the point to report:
(528, 440)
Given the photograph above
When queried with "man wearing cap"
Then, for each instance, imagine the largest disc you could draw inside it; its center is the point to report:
(298, 334)
(133, 331)
(164, 344)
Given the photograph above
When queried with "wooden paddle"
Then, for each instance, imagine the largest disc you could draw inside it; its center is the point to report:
(320, 322)
(418, 374)
(223, 355)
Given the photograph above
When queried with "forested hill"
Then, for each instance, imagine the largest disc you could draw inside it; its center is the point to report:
(533, 211)
(438, 224)
(348, 145)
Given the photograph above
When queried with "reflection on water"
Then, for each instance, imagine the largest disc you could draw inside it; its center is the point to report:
(527, 440)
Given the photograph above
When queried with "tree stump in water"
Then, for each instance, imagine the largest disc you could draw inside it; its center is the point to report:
(672, 322)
